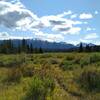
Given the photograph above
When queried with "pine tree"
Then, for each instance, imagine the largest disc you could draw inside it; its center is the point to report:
(31, 48)
(24, 46)
(81, 47)
(19, 50)
(40, 50)
(88, 48)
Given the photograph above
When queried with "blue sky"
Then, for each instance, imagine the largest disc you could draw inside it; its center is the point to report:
(53, 20)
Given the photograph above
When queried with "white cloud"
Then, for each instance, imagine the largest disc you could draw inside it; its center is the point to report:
(91, 36)
(56, 20)
(90, 29)
(86, 16)
(65, 14)
(89, 41)
(96, 12)
(61, 28)
(49, 37)
(3, 34)
(52, 20)
(3, 0)
(74, 30)
(6, 36)
(60, 24)
(85, 22)
(15, 15)
(85, 41)
(73, 16)
(67, 29)
(75, 42)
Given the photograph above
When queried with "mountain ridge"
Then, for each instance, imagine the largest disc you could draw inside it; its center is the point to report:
(48, 45)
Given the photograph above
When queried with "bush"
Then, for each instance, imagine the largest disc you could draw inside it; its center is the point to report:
(1, 64)
(27, 71)
(94, 58)
(89, 60)
(13, 75)
(54, 61)
(84, 61)
(36, 91)
(70, 57)
(66, 65)
(49, 84)
(11, 63)
(39, 89)
(89, 80)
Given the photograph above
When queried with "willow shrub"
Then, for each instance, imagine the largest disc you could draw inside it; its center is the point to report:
(39, 88)
(89, 80)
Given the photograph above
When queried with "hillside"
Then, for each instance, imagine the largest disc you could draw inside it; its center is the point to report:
(46, 45)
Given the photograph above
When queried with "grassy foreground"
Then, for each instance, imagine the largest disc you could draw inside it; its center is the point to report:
(50, 76)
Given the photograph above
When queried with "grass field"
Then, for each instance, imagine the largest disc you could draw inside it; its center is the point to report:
(50, 76)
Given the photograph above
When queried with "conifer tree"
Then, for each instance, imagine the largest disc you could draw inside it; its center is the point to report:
(81, 47)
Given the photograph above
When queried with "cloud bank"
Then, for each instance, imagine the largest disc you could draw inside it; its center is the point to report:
(15, 16)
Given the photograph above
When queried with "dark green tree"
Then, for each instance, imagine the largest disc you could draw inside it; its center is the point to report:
(31, 48)
(24, 45)
(81, 47)
(40, 50)
(88, 48)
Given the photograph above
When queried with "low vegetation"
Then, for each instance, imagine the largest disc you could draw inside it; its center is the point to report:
(50, 76)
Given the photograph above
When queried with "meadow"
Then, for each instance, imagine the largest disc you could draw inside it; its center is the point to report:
(50, 76)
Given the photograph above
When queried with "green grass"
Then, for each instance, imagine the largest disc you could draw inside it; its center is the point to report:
(50, 76)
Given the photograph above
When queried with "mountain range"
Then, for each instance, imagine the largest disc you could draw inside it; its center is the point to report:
(49, 45)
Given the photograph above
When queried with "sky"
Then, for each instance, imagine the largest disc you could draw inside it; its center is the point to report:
(70, 21)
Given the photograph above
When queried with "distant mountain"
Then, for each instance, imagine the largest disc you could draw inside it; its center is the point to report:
(49, 46)
(45, 44)
(84, 44)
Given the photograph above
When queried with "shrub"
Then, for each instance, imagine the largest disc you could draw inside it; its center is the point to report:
(36, 91)
(70, 57)
(11, 63)
(66, 65)
(84, 61)
(39, 89)
(90, 80)
(76, 61)
(94, 58)
(1, 64)
(13, 75)
(54, 61)
(27, 71)
(49, 84)
(89, 60)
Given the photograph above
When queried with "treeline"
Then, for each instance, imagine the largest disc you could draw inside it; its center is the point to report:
(88, 48)
(9, 47)
(23, 46)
